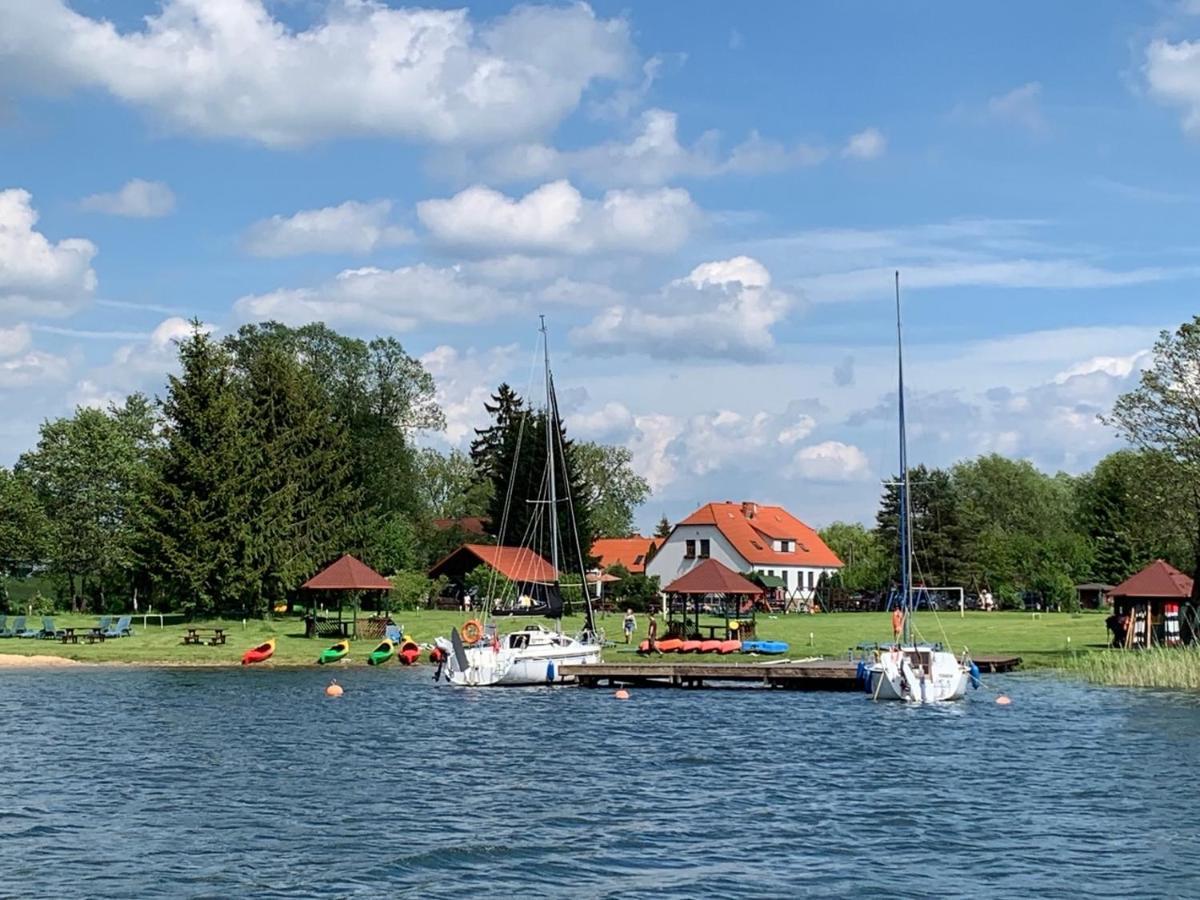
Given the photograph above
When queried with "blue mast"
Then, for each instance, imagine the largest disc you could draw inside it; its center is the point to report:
(905, 511)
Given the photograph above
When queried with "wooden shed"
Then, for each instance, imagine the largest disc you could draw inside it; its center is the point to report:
(1147, 606)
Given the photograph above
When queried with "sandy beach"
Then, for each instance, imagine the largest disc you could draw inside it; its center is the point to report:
(19, 661)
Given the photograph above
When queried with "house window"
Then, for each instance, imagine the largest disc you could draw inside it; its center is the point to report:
(637, 560)
(689, 550)
(789, 546)
(812, 579)
(784, 573)
(771, 572)
(704, 548)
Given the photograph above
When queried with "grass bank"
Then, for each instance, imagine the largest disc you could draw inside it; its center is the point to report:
(1046, 639)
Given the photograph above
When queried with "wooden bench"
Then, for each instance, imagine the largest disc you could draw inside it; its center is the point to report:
(196, 636)
(93, 635)
(69, 636)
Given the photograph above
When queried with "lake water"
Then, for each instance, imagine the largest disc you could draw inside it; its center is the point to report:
(223, 783)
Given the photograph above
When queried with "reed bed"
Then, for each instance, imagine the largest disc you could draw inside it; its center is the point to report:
(1176, 668)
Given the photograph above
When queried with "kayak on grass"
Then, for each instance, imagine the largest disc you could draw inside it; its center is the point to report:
(410, 650)
(769, 648)
(713, 646)
(732, 646)
(381, 654)
(334, 653)
(257, 654)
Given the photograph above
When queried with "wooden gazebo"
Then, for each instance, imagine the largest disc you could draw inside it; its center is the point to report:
(347, 574)
(727, 593)
(1147, 606)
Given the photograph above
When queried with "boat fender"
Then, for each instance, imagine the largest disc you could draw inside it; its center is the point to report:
(550, 672)
(860, 673)
(472, 631)
(975, 679)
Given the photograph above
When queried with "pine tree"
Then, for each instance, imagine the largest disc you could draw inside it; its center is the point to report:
(663, 528)
(506, 410)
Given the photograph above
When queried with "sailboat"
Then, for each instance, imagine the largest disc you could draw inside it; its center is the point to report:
(913, 671)
(535, 654)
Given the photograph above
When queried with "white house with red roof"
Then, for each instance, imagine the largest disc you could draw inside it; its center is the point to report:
(747, 536)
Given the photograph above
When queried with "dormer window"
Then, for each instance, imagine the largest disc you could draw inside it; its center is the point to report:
(783, 545)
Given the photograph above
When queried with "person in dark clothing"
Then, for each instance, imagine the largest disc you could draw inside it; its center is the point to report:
(652, 635)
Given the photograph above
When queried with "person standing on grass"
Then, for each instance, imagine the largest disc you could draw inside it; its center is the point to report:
(652, 635)
(629, 624)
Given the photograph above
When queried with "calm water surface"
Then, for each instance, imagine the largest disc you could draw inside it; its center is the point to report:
(186, 783)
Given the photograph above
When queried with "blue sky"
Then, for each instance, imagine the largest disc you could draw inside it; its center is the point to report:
(705, 200)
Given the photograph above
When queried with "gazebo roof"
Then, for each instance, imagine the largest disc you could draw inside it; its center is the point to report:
(1159, 580)
(348, 574)
(712, 577)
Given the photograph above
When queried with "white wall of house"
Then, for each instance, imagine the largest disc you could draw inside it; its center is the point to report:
(670, 561)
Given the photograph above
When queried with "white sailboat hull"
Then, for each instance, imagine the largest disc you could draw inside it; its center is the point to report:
(530, 657)
(919, 674)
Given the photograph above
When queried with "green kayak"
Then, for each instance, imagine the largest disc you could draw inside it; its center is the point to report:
(382, 653)
(334, 653)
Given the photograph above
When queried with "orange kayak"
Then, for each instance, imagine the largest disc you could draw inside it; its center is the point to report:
(258, 654)
(690, 647)
(670, 645)
(731, 646)
(710, 646)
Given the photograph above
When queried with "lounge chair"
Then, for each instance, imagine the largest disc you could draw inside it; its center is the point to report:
(104, 624)
(48, 629)
(24, 632)
(392, 633)
(15, 628)
(3, 620)
(121, 629)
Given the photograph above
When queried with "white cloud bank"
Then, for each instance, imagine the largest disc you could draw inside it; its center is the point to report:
(137, 199)
(38, 276)
(867, 144)
(557, 218)
(350, 227)
(1172, 72)
(231, 69)
(724, 309)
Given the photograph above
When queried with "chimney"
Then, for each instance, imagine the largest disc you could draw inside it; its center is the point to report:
(749, 508)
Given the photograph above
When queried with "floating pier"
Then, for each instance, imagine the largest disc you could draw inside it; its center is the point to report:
(802, 675)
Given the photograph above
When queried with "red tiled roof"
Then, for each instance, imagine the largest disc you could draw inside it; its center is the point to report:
(471, 524)
(518, 564)
(631, 552)
(348, 574)
(1159, 579)
(712, 577)
(751, 527)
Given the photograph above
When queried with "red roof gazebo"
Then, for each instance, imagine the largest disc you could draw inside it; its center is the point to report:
(345, 574)
(712, 578)
(1150, 602)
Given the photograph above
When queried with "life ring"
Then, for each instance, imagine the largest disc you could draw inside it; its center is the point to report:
(472, 631)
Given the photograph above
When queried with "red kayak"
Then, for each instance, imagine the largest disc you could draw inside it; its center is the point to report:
(710, 646)
(670, 645)
(408, 652)
(259, 653)
(690, 647)
(731, 646)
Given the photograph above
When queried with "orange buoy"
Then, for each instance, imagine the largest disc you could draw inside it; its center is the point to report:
(622, 694)
(472, 631)
(333, 689)
(1004, 701)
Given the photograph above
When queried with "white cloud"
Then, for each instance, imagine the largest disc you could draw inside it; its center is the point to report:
(722, 309)
(653, 155)
(14, 340)
(1021, 107)
(830, 461)
(557, 218)
(1114, 366)
(350, 227)
(31, 369)
(1172, 72)
(137, 199)
(399, 299)
(867, 144)
(37, 276)
(465, 381)
(231, 69)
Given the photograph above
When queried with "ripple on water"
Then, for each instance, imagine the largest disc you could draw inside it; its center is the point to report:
(165, 783)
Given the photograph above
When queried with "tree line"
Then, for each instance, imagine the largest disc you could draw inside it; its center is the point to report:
(271, 452)
(1002, 525)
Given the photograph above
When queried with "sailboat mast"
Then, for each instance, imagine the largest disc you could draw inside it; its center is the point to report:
(551, 486)
(905, 528)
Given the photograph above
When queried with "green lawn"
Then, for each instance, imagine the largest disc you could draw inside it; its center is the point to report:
(1040, 640)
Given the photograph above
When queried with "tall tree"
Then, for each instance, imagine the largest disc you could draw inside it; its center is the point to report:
(663, 528)
(507, 411)
(450, 486)
(615, 489)
(867, 565)
(937, 538)
(1163, 413)
(202, 516)
(24, 527)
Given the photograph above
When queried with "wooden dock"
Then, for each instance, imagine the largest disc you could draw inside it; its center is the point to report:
(802, 675)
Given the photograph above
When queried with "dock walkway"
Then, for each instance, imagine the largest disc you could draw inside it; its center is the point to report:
(804, 675)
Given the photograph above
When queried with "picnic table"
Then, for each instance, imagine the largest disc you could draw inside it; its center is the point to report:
(94, 634)
(69, 636)
(196, 636)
